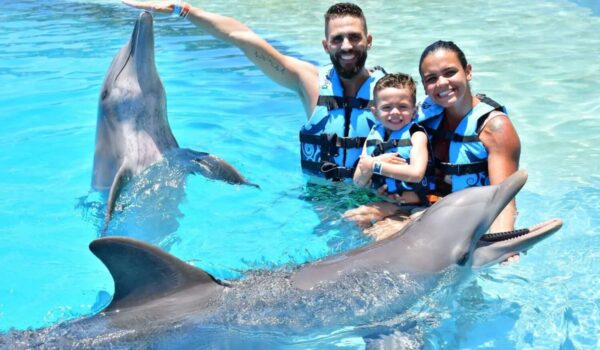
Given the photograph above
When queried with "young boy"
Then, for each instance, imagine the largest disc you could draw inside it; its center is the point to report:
(395, 153)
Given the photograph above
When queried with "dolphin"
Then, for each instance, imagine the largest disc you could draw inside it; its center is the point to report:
(156, 294)
(133, 130)
(451, 232)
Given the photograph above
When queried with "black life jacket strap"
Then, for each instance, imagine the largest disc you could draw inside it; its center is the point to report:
(421, 192)
(339, 102)
(383, 146)
(350, 142)
(451, 136)
(462, 169)
(497, 107)
(333, 140)
(439, 134)
(483, 98)
(327, 143)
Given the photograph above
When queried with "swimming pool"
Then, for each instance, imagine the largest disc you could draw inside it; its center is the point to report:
(540, 59)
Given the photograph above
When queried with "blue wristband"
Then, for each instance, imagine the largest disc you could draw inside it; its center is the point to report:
(377, 168)
(176, 10)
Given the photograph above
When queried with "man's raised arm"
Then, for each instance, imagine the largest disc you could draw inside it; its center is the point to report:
(292, 73)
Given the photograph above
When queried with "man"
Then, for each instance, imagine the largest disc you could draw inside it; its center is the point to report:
(337, 100)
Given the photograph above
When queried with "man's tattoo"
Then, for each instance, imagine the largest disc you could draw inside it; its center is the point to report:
(276, 66)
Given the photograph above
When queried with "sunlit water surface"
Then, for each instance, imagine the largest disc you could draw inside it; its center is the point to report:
(539, 58)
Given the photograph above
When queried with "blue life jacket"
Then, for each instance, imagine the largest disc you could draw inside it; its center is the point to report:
(398, 142)
(332, 139)
(467, 166)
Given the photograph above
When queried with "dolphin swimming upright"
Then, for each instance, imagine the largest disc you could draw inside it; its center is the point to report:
(133, 130)
(157, 295)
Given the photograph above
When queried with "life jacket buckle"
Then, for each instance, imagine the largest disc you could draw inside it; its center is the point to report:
(328, 146)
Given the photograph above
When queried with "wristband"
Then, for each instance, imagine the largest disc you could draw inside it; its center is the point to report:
(177, 8)
(377, 168)
(185, 10)
(181, 9)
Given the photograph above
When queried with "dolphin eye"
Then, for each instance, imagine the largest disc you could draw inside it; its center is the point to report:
(104, 94)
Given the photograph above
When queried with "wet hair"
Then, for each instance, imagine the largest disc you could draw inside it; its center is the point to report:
(398, 81)
(342, 9)
(444, 45)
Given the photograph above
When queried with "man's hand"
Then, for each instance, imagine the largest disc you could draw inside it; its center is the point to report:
(156, 6)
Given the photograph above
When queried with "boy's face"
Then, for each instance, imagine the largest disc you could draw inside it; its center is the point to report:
(394, 107)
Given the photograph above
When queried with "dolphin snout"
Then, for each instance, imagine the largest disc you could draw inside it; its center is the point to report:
(143, 32)
(509, 188)
(145, 16)
(142, 48)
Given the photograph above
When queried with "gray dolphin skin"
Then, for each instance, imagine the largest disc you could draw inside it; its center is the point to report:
(451, 232)
(133, 130)
(157, 294)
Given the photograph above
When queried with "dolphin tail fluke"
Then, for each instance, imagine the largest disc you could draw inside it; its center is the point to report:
(494, 248)
(143, 272)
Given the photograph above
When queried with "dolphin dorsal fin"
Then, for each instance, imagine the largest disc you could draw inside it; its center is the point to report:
(143, 272)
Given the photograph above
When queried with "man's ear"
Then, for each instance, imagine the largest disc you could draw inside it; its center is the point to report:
(369, 41)
(325, 46)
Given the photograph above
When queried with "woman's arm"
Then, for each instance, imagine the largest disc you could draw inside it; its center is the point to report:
(504, 150)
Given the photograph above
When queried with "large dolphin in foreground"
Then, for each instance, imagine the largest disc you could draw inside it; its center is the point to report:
(161, 300)
(133, 131)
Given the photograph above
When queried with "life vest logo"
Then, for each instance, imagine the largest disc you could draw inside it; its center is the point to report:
(311, 152)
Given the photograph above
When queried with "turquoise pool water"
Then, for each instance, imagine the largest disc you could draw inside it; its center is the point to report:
(539, 58)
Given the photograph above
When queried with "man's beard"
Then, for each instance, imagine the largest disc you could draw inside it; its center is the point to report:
(353, 71)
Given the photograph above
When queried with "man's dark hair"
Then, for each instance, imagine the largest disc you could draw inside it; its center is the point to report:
(398, 81)
(342, 9)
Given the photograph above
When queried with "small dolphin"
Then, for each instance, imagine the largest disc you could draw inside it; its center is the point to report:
(157, 295)
(133, 130)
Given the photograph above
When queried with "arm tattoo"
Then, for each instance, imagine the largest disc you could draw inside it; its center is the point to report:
(496, 126)
(276, 66)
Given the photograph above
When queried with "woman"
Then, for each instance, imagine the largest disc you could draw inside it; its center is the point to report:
(466, 129)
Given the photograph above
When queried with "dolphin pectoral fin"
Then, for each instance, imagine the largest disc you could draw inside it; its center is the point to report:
(497, 247)
(121, 178)
(216, 168)
(143, 272)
